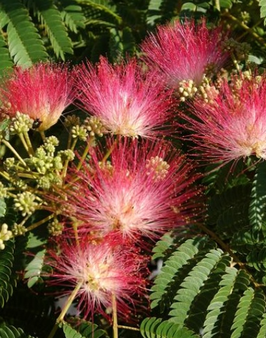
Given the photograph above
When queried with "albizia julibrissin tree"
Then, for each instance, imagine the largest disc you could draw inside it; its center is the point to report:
(118, 185)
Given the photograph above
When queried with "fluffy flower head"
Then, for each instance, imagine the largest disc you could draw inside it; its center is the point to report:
(101, 271)
(233, 123)
(42, 92)
(135, 194)
(184, 51)
(126, 101)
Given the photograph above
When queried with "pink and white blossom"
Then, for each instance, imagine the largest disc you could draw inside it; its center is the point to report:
(232, 124)
(99, 272)
(127, 101)
(143, 190)
(42, 92)
(184, 51)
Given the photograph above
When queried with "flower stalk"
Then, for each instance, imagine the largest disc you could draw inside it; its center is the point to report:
(64, 310)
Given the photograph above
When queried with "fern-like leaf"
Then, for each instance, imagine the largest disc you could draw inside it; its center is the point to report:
(7, 281)
(84, 330)
(168, 9)
(249, 314)
(162, 246)
(156, 328)
(100, 10)
(257, 208)
(24, 42)
(72, 15)
(5, 61)
(50, 16)
(121, 43)
(154, 13)
(205, 292)
(33, 312)
(9, 331)
(172, 273)
(34, 268)
(192, 284)
(262, 330)
(216, 308)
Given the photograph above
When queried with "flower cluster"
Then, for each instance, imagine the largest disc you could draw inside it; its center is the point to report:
(127, 101)
(227, 130)
(120, 183)
(41, 92)
(185, 52)
(101, 271)
(134, 194)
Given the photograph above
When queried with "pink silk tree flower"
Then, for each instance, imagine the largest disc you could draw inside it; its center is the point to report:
(184, 51)
(42, 92)
(232, 124)
(142, 191)
(97, 273)
(125, 100)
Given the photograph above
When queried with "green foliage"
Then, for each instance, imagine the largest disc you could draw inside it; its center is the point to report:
(257, 208)
(24, 43)
(213, 277)
(12, 332)
(37, 30)
(155, 327)
(262, 4)
(198, 288)
(33, 312)
(50, 17)
(72, 15)
(84, 330)
(7, 278)
(34, 268)
(4, 56)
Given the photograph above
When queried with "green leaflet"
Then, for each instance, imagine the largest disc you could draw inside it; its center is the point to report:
(257, 207)
(24, 43)
(202, 291)
(9, 331)
(121, 43)
(7, 280)
(156, 328)
(72, 15)
(154, 14)
(171, 274)
(262, 4)
(50, 16)
(84, 330)
(34, 268)
(5, 61)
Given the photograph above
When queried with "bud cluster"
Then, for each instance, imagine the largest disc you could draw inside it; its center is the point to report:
(5, 235)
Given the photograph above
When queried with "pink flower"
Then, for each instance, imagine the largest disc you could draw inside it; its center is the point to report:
(42, 92)
(144, 190)
(101, 271)
(184, 51)
(126, 101)
(232, 125)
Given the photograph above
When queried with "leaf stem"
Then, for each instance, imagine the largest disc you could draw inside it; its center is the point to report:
(65, 309)
(35, 225)
(128, 327)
